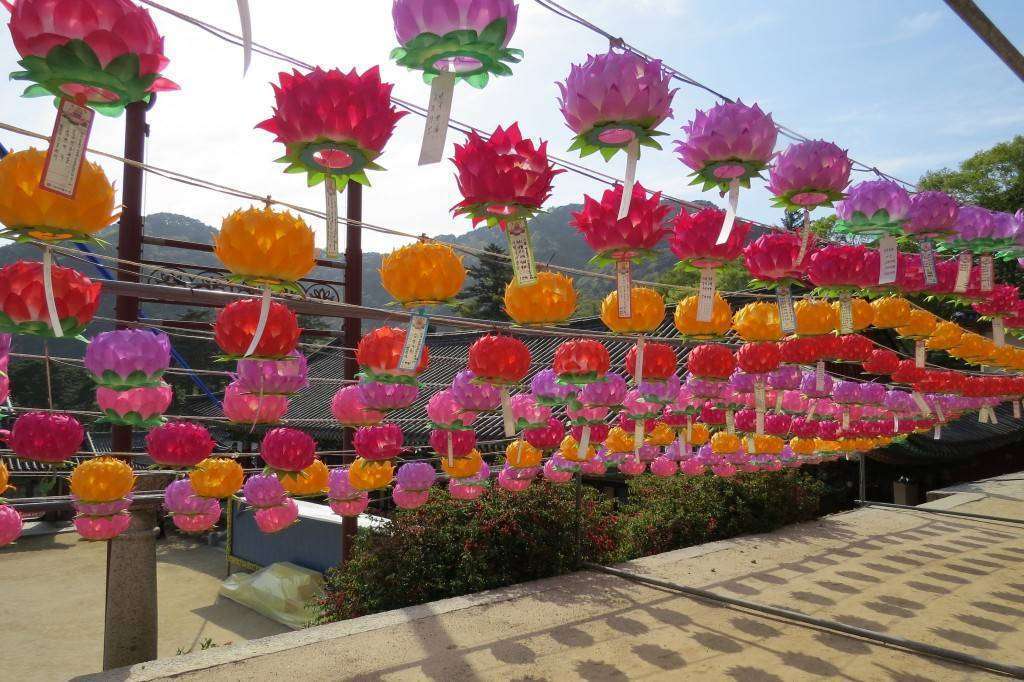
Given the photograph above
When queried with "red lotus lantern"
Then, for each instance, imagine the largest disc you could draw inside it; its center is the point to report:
(854, 348)
(501, 361)
(24, 308)
(842, 268)
(581, 361)
(881, 361)
(907, 372)
(711, 361)
(380, 352)
(803, 350)
(758, 358)
(695, 241)
(658, 364)
(251, 328)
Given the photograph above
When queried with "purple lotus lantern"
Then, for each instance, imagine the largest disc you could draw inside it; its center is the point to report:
(548, 391)
(616, 101)
(785, 378)
(128, 358)
(874, 207)
(263, 490)
(846, 392)
(190, 512)
(660, 392)
(386, 396)
(412, 484)
(344, 499)
(813, 388)
(608, 392)
(273, 377)
(474, 396)
(809, 174)
(932, 214)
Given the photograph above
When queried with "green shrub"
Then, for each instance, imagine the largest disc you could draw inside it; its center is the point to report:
(451, 547)
(663, 514)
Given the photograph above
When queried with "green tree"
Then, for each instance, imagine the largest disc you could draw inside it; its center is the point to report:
(993, 178)
(792, 220)
(483, 297)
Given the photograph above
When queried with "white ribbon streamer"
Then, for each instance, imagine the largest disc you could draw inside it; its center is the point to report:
(639, 374)
(51, 304)
(632, 155)
(730, 212)
(581, 451)
(246, 18)
(261, 325)
(506, 413)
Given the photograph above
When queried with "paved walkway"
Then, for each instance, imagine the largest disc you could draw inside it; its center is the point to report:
(937, 579)
(52, 603)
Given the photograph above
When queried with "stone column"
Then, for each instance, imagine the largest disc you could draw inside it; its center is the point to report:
(130, 625)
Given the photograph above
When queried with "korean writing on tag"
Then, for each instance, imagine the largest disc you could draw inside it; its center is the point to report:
(928, 262)
(523, 264)
(846, 419)
(415, 338)
(998, 331)
(624, 288)
(819, 376)
(439, 111)
(919, 353)
(730, 421)
(67, 149)
(963, 272)
(760, 397)
(787, 314)
(706, 295)
(889, 257)
(987, 273)
(845, 314)
(922, 406)
(331, 189)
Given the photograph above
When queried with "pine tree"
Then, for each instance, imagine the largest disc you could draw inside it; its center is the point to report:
(483, 297)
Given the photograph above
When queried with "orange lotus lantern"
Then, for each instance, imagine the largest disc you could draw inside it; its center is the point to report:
(723, 443)
(218, 477)
(698, 434)
(891, 312)
(920, 325)
(521, 455)
(102, 479)
(758, 322)
(421, 274)
(310, 481)
(648, 312)
(371, 475)
(946, 335)
(690, 327)
(463, 467)
(550, 300)
(619, 440)
(803, 446)
(266, 248)
(571, 450)
(861, 313)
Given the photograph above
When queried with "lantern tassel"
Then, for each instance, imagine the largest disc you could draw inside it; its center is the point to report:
(246, 18)
(581, 452)
(261, 325)
(730, 212)
(632, 155)
(51, 304)
(439, 111)
(506, 412)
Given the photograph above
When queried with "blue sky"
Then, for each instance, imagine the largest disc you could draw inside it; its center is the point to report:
(904, 85)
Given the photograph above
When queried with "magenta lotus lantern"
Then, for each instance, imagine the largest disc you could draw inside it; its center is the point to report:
(48, 437)
(378, 443)
(179, 444)
(287, 450)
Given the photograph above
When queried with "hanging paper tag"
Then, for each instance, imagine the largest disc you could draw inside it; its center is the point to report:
(845, 314)
(66, 154)
(706, 295)
(581, 451)
(812, 405)
(987, 273)
(730, 212)
(846, 418)
(506, 413)
(922, 406)
(751, 445)
(919, 353)
(928, 262)
(759, 422)
(963, 272)
(415, 339)
(778, 401)
(638, 374)
(1016, 408)
(246, 17)
(819, 376)
(895, 424)
(787, 314)
(998, 331)
(624, 288)
(889, 258)
(938, 412)
(983, 415)
(689, 428)
(730, 421)
(331, 195)
(439, 111)
(632, 155)
(523, 264)
(938, 432)
(760, 397)
(805, 237)
(51, 304)
(638, 436)
(261, 323)
(992, 415)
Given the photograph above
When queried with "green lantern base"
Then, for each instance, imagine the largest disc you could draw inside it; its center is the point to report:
(877, 225)
(323, 158)
(474, 56)
(493, 214)
(720, 174)
(133, 419)
(807, 197)
(71, 327)
(611, 137)
(136, 379)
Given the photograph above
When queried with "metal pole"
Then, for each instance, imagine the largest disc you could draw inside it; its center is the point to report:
(947, 512)
(862, 468)
(130, 619)
(352, 327)
(892, 640)
(978, 21)
(578, 540)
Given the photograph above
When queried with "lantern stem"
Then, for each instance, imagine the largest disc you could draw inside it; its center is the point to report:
(581, 452)
(451, 453)
(638, 435)
(261, 324)
(51, 305)
(805, 236)
(730, 212)
(632, 155)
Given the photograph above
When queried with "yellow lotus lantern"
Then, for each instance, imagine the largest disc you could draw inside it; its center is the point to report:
(920, 325)
(1003, 357)
(973, 348)
(803, 446)
(463, 467)
(758, 322)
(661, 435)
(30, 212)
(815, 317)
(219, 477)
(648, 312)
(310, 481)
(570, 450)
(522, 455)
(699, 434)
(946, 335)
(102, 479)
(724, 442)
(5, 478)
(264, 247)
(891, 312)
(370, 475)
(619, 440)
(1017, 361)
(689, 327)
(862, 313)
(424, 273)
(550, 300)
(825, 446)
(767, 444)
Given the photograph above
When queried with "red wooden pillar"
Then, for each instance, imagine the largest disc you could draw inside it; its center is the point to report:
(352, 329)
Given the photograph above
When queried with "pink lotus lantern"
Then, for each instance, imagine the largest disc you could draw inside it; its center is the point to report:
(128, 358)
(516, 480)
(528, 414)
(100, 528)
(616, 101)
(348, 408)
(726, 147)
(179, 444)
(775, 258)
(263, 491)
(106, 53)
(475, 396)
(273, 377)
(47, 437)
(385, 396)
(558, 470)
(343, 499)
(445, 412)
(276, 519)
(409, 499)
(141, 407)
(472, 487)
(594, 466)
(547, 437)
(663, 467)
(190, 512)
(287, 450)
(378, 443)
(631, 465)
(10, 525)
(691, 467)
(241, 407)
